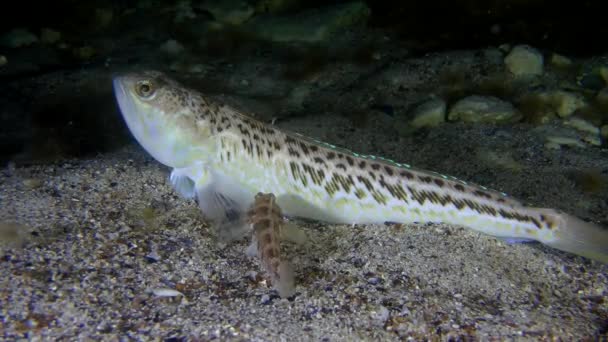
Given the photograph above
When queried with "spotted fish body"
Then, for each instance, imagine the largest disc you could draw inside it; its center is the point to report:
(224, 158)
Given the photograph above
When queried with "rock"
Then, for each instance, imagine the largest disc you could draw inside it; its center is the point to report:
(84, 52)
(275, 6)
(12, 234)
(524, 60)
(592, 74)
(297, 97)
(589, 133)
(604, 132)
(493, 55)
(18, 37)
(483, 109)
(32, 183)
(172, 47)
(499, 159)
(602, 97)
(560, 61)
(3, 60)
(103, 17)
(315, 25)
(234, 12)
(183, 11)
(604, 73)
(536, 108)
(565, 103)
(48, 36)
(555, 142)
(542, 107)
(428, 114)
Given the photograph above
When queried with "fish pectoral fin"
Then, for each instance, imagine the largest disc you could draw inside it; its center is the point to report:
(292, 233)
(182, 183)
(515, 240)
(225, 204)
(252, 249)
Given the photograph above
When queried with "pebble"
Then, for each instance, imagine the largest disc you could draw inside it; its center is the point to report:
(32, 183)
(604, 73)
(381, 315)
(604, 131)
(566, 103)
(233, 12)
(172, 47)
(486, 109)
(265, 299)
(48, 36)
(165, 292)
(428, 114)
(591, 133)
(524, 60)
(560, 61)
(555, 142)
(18, 37)
(84, 52)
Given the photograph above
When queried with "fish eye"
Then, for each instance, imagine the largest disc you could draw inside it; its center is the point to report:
(144, 89)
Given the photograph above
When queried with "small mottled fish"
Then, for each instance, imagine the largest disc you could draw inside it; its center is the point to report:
(266, 220)
(224, 158)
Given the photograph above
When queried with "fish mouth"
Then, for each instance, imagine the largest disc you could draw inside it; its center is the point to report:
(146, 130)
(122, 97)
(129, 111)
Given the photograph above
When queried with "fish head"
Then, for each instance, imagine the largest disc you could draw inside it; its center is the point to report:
(167, 119)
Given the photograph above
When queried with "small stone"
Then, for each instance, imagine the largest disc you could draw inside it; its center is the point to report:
(604, 73)
(12, 234)
(265, 299)
(604, 132)
(486, 109)
(493, 55)
(560, 61)
(297, 97)
(602, 97)
(32, 183)
(84, 52)
(555, 142)
(18, 37)
(48, 36)
(233, 12)
(314, 25)
(165, 292)
(373, 281)
(505, 48)
(183, 11)
(275, 6)
(566, 103)
(103, 17)
(172, 47)
(592, 81)
(524, 60)
(429, 114)
(582, 125)
(153, 257)
(381, 315)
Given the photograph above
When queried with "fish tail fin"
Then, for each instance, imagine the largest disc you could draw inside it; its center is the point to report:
(576, 236)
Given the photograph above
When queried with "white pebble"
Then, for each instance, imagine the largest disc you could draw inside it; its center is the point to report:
(166, 292)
